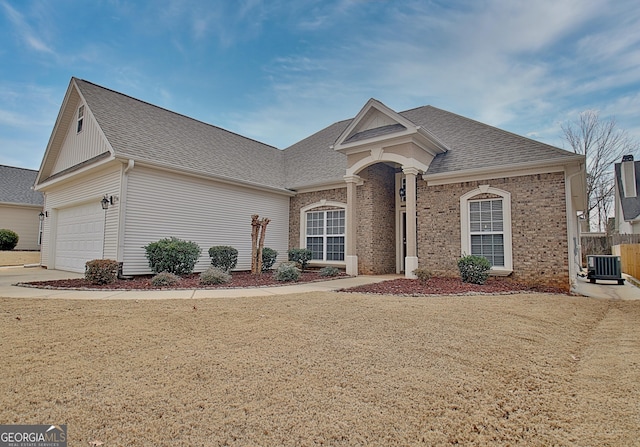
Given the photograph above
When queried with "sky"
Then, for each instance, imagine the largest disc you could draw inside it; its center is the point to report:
(278, 71)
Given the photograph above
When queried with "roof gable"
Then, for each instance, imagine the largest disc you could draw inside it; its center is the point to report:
(377, 123)
(155, 136)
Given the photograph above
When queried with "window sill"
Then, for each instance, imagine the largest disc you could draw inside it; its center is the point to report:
(500, 272)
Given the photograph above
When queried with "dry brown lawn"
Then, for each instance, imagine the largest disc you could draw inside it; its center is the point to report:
(327, 369)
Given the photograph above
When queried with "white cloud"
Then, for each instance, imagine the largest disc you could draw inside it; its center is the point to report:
(25, 31)
(502, 62)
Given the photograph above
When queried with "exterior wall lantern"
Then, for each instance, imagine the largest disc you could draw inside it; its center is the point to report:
(108, 200)
(403, 193)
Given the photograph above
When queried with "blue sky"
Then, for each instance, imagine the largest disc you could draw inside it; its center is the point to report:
(278, 71)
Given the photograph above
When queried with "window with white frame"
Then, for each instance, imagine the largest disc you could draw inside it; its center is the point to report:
(325, 234)
(80, 119)
(485, 227)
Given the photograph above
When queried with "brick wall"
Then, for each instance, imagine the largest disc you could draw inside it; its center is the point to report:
(302, 200)
(375, 213)
(376, 221)
(539, 233)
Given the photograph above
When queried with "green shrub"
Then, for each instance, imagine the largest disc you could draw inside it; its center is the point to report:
(423, 274)
(164, 279)
(269, 256)
(214, 275)
(329, 271)
(101, 271)
(287, 271)
(8, 239)
(223, 257)
(301, 256)
(474, 269)
(172, 255)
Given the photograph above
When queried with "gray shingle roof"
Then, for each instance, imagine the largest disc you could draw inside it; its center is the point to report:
(16, 184)
(474, 145)
(312, 161)
(144, 132)
(471, 144)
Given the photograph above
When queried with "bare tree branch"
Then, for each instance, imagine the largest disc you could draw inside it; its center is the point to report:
(602, 144)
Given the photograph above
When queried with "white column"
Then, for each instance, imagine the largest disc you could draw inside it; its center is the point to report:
(411, 259)
(351, 257)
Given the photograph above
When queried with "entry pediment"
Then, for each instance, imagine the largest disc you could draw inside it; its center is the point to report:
(376, 125)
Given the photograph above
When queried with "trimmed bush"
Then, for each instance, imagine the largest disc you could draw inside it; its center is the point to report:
(329, 271)
(164, 279)
(474, 269)
(172, 255)
(423, 274)
(301, 256)
(8, 239)
(101, 271)
(287, 271)
(223, 257)
(214, 275)
(269, 256)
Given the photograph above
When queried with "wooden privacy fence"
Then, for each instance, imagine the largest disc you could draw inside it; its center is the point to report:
(629, 258)
(600, 244)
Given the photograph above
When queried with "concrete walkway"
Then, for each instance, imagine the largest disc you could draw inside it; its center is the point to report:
(608, 289)
(12, 275)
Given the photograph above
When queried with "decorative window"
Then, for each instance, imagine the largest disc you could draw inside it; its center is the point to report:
(486, 227)
(80, 119)
(325, 234)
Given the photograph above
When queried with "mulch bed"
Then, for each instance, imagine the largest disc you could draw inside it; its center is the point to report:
(400, 286)
(449, 286)
(239, 280)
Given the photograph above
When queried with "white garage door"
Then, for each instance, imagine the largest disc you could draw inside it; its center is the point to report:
(79, 236)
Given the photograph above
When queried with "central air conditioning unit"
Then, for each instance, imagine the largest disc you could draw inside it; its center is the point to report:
(604, 267)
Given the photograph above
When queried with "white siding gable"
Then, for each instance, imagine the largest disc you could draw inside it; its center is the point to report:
(80, 146)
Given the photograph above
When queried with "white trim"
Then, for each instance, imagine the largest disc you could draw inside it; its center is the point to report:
(388, 157)
(303, 226)
(465, 234)
(520, 169)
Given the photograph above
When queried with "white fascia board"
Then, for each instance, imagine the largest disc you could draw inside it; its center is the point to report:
(514, 170)
(321, 187)
(71, 175)
(21, 205)
(218, 178)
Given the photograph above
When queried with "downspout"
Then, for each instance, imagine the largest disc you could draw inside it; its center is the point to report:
(574, 251)
(124, 184)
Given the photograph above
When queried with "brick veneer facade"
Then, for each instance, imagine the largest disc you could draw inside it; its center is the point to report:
(377, 221)
(538, 211)
(375, 214)
(538, 221)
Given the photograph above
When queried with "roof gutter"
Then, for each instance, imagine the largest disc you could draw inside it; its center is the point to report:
(200, 174)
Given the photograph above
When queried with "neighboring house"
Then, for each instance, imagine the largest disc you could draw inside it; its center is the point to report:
(20, 205)
(384, 192)
(627, 198)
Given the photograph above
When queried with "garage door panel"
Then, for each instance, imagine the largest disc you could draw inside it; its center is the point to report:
(79, 236)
